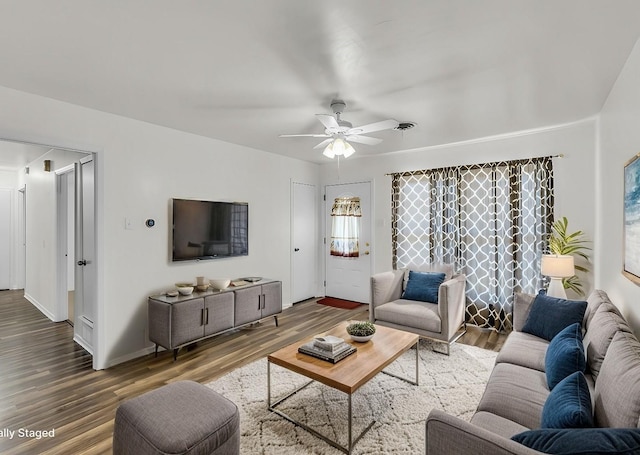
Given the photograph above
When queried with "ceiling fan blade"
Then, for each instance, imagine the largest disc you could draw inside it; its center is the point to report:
(377, 126)
(323, 143)
(304, 135)
(363, 139)
(328, 121)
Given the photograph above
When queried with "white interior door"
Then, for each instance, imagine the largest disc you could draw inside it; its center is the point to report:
(5, 238)
(66, 200)
(349, 277)
(304, 242)
(85, 252)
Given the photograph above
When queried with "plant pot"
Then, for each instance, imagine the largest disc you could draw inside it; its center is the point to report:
(361, 339)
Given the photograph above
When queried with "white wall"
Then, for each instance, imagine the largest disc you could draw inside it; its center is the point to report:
(574, 174)
(139, 168)
(619, 142)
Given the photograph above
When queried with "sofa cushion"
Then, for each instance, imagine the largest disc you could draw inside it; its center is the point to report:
(411, 313)
(593, 441)
(496, 424)
(604, 324)
(618, 387)
(568, 404)
(515, 393)
(524, 349)
(521, 307)
(423, 286)
(595, 299)
(447, 269)
(565, 355)
(549, 315)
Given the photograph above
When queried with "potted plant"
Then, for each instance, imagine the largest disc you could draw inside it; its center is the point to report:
(361, 330)
(561, 242)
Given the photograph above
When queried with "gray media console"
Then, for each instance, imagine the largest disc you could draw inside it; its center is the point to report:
(175, 322)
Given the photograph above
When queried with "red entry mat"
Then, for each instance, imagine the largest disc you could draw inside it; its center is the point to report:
(339, 303)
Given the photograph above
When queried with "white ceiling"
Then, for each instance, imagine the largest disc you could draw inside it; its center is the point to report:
(245, 71)
(14, 155)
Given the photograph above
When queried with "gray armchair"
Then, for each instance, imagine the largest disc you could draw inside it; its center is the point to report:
(440, 321)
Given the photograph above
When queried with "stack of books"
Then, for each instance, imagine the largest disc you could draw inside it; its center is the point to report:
(328, 347)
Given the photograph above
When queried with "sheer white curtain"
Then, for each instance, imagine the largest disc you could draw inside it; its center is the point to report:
(491, 220)
(345, 227)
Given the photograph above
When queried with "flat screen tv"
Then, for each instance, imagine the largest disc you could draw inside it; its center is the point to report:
(209, 229)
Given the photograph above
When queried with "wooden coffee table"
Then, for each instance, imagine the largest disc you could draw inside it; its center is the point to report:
(348, 375)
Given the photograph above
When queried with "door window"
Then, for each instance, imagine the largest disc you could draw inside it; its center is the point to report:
(345, 227)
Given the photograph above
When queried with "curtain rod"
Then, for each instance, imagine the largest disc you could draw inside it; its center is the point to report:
(560, 155)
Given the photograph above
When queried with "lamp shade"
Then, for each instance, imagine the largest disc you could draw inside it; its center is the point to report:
(557, 265)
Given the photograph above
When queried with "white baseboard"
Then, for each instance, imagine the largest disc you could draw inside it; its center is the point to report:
(133, 355)
(40, 307)
(86, 346)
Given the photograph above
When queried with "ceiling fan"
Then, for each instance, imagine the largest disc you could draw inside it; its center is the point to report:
(340, 132)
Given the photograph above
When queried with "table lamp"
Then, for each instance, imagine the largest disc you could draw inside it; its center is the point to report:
(557, 267)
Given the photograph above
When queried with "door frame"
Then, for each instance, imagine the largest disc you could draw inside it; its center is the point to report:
(325, 222)
(99, 355)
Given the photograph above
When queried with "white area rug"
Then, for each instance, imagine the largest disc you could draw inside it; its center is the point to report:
(453, 384)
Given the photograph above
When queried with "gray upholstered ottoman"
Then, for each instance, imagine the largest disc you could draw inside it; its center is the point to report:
(180, 418)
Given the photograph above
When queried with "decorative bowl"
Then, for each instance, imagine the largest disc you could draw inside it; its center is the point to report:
(220, 283)
(185, 290)
(202, 287)
(361, 331)
(361, 339)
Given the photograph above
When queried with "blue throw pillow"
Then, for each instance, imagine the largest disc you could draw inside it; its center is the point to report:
(565, 355)
(569, 404)
(549, 315)
(592, 441)
(423, 286)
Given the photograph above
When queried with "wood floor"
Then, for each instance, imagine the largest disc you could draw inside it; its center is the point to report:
(46, 380)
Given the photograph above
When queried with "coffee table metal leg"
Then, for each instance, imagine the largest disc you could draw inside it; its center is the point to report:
(350, 443)
(414, 382)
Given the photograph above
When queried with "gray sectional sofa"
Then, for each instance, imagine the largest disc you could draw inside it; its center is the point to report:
(515, 395)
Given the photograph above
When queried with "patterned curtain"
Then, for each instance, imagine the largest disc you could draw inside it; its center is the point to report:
(491, 220)
(345, 227)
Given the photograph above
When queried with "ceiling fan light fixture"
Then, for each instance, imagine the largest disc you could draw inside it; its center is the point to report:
(348, 150)
(338, 147)
(328, 151)
(336, 132)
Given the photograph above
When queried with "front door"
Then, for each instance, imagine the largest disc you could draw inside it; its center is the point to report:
(348, 248)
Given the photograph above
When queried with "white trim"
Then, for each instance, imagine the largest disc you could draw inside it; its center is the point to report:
(133, 355)
(66, 169)
(40, 307)
(78, 339)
